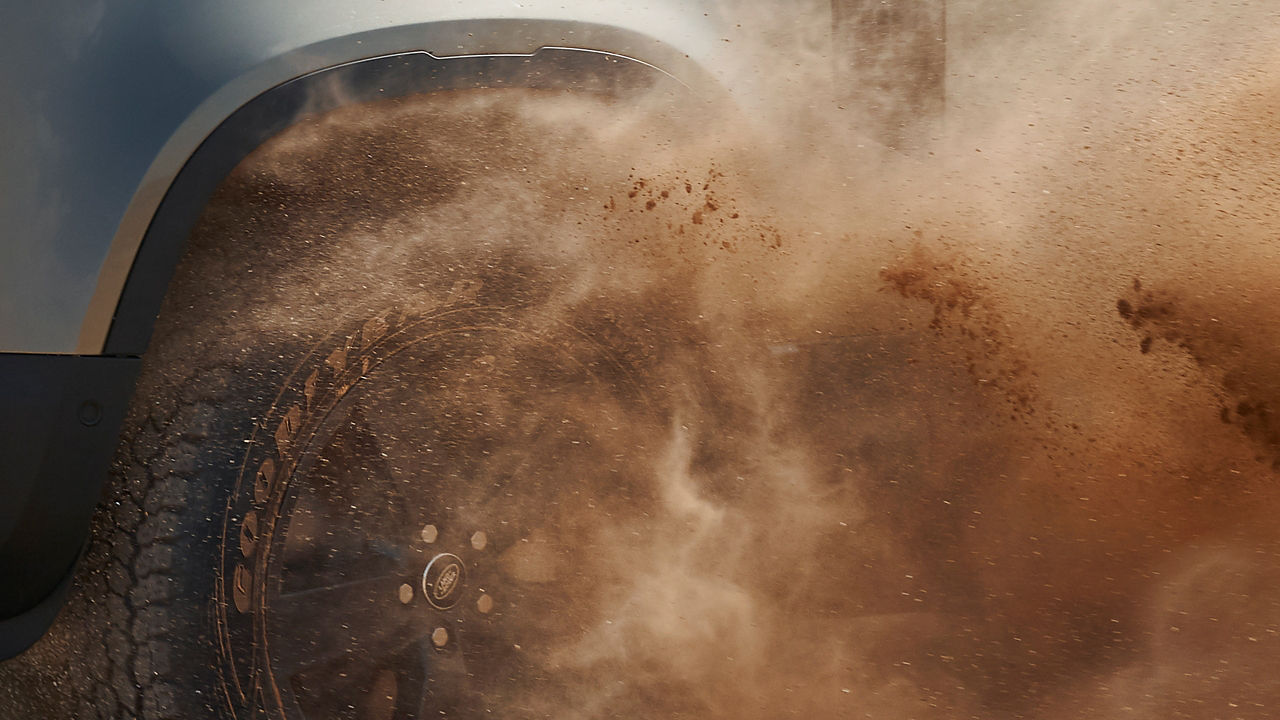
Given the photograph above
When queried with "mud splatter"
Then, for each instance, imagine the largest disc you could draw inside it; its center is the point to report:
(1227, 343)
(964, 308)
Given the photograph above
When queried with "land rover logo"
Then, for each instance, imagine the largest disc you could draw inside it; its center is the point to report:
(447, 581)
(442, 580)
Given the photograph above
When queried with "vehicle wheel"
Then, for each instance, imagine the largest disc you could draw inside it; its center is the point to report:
(378, 500)
(408, 528)
(386, 461)
(405, 538)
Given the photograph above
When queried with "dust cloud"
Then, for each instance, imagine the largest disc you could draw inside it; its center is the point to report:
(986, 425)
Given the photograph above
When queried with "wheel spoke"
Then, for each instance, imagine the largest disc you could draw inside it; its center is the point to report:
(318, 626)
(448, 688)
(319, 552)
(457, 674)
(347, 483)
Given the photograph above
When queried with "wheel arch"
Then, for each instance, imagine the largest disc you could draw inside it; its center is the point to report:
(232, 123)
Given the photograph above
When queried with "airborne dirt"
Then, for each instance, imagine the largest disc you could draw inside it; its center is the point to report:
(984, 429)
(981, 431)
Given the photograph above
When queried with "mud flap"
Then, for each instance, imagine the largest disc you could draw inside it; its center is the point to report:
(59, 420)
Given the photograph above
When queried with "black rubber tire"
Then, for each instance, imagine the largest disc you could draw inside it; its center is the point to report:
(169, 472)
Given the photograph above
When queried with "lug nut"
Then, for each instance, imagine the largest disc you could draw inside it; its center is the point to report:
(484, 604)
(429, 534)
(439, 637)
(479, 540)
(406, 593)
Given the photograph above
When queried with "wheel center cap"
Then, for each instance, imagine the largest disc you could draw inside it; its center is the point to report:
(443, 579)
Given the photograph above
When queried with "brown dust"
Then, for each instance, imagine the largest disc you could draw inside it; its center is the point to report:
(987, 427)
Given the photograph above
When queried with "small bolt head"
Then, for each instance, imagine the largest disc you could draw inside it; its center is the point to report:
(429, 534)
(479, 540)
(484, 604)
(90, 413)
(406, 593)
(439, 637)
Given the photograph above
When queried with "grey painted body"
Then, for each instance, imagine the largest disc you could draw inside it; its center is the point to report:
(105, 101)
